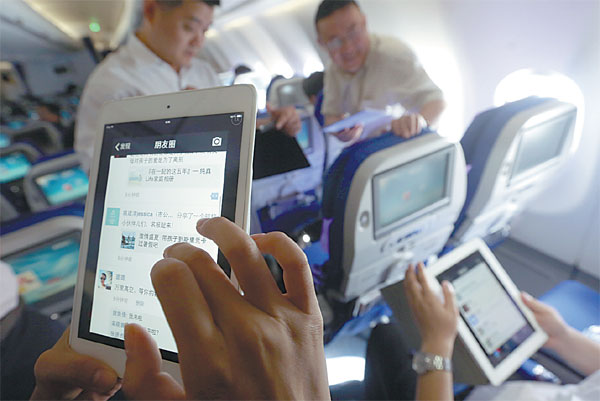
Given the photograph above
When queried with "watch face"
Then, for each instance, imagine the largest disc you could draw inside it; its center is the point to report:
(418, 363)
(424, 362)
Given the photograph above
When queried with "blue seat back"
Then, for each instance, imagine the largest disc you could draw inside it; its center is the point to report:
(479, 140)
(336, 187)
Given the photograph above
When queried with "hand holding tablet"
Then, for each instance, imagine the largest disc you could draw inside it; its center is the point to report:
(162, 162)
(222, 335)
(436, 316)
(496, 331)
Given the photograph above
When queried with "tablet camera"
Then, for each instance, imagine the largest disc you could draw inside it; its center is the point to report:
(236, 119)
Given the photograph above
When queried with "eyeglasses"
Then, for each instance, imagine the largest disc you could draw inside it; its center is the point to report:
(336, 44)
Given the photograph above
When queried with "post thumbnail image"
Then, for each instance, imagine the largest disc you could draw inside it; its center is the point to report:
(128, 240)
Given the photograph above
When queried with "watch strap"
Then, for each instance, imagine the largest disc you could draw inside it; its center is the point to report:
(424, 362)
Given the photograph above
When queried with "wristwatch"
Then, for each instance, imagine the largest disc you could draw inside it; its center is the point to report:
(424, 362)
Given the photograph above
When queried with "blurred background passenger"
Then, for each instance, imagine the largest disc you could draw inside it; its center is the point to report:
(371, 71)
(158, 58)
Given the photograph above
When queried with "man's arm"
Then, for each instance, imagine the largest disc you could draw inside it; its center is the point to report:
(410, 124)
(431, 111)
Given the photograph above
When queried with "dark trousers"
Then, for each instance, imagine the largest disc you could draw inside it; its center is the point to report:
(388, 370)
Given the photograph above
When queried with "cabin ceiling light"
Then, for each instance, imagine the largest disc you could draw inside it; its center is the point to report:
(94, 26)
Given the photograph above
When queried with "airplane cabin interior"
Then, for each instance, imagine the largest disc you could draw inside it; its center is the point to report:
(512, 164)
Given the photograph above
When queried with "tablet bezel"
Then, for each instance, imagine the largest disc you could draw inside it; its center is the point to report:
(496, 375)
(220, 100)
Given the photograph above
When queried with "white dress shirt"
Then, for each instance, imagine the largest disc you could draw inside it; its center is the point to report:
(132, 70)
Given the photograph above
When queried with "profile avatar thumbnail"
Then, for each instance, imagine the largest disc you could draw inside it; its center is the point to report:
(105, 279)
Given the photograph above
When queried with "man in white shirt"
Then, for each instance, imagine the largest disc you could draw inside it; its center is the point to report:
(371, 71)
(158, 58)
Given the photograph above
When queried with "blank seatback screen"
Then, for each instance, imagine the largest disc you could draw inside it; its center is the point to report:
(405, 191)
(541, 143)
(486, 308)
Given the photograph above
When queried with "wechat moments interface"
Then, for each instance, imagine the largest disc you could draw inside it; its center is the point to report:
(484, 304)
(156, 179)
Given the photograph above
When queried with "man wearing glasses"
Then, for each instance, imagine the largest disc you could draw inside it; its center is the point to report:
(371, 71)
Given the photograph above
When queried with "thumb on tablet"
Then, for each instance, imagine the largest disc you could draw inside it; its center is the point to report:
(61, 373)
(143, 378)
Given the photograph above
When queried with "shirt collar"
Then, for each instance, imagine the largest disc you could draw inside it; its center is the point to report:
(143, 55)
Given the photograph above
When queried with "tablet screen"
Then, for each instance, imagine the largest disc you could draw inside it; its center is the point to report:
(487, 309)
(63, 186)
(156, 179)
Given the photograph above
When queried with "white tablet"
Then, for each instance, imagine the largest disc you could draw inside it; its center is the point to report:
(496, 331)
(160, 164)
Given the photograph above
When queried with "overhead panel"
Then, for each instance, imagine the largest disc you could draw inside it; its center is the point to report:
(24, 33)
(98, 19)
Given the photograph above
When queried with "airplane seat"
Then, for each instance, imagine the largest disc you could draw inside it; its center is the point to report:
(43, 251)
(287, 92)
(512, 152)
(55, 181)
(387, 202)
(42, 135)
(15, 162)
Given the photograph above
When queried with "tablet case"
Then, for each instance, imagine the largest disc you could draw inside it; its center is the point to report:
(276, 153)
